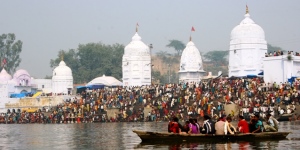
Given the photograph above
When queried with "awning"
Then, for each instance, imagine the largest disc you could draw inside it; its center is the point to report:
(251, 76)
(262, 73)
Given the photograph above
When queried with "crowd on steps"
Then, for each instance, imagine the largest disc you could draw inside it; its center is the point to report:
(162, 102)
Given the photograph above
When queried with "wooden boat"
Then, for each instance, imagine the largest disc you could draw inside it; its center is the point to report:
(148, 136)
(285, 117)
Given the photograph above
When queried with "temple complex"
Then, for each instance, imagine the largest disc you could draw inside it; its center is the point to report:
(136, 63)
(247, 48)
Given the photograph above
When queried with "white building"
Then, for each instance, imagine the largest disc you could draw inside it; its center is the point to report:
(62, 79)
(22, 83)
(280, 69)
(7, 85)
(136, 63)
(191, 67)
(247, 48)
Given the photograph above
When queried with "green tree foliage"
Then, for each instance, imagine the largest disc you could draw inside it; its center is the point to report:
(10, 52)
(93, 60)
(177, 45)
(272, 48)
(167, 58)
(217, 57)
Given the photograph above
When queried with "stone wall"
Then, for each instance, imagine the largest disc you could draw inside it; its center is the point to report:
(29, 102)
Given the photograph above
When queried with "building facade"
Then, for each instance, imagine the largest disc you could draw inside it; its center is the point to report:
(191, 67)
(281, 69)
(136, 63)
(62, 79)
(247, 48)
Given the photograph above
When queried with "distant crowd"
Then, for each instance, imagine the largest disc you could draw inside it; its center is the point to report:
(279, 53)
(163, 102)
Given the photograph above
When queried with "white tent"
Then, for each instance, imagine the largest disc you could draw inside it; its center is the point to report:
(105, 80)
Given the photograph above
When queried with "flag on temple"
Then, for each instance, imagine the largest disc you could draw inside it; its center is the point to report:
(193, 29)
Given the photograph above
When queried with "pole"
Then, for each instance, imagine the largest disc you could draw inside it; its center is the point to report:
(150, 47)
(169, 73)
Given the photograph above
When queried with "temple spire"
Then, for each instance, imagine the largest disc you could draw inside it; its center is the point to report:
(247, 10)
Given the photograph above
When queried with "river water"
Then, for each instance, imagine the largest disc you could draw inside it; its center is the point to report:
(119, 136)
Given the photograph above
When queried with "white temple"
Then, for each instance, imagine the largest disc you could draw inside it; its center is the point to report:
(247, 48)
(136, 63)
(62, 79)
(191, 67)
(22, 83)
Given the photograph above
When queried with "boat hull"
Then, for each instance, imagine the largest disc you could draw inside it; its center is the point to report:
(173, 137)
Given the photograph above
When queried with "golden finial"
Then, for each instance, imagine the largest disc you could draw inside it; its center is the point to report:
(62, 56)
(247, 10)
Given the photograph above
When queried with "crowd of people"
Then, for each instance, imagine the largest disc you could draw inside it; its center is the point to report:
(279, 53)
(162, 102)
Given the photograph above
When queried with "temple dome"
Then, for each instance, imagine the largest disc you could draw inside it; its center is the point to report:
(136, 47)
(191, 59)
(21, 72)
(247, 29)
(62, 70)
(4, 76)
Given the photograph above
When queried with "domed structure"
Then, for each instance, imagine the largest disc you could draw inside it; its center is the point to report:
(4, 76)
(62, 70)
(62, 79)
(247, 29)
(247, 48)
(136, 63)
(191, 68)
(136, 47)
(22, 77)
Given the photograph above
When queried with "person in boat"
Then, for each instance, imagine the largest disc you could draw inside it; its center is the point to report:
(208, 126)
(243, 126)
(198, 125)
(220, 126)
(252, 123)
(229, 128)
(272, 124)
(174, 126)
(186, 127)
(193, 127)
(258, 125)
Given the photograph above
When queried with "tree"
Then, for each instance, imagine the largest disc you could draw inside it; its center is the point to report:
(177, 45)
(272, 48)
(218, 57)
(91, 60)
(10, 52)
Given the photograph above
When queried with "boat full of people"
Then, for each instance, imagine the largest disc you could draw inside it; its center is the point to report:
(149, 136)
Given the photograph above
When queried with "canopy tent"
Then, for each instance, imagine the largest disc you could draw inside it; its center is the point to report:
(104, 81)
(79, 89)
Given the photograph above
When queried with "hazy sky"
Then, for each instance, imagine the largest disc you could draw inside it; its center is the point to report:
(47, 26)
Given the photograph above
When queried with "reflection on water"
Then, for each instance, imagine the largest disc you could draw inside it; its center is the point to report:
(119, 136)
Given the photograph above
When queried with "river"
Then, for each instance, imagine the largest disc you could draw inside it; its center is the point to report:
(119, 136)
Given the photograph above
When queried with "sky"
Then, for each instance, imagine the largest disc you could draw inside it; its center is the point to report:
(48, 26)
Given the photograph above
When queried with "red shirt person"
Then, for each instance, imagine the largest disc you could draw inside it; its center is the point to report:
(243, 125)
(174, 126)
